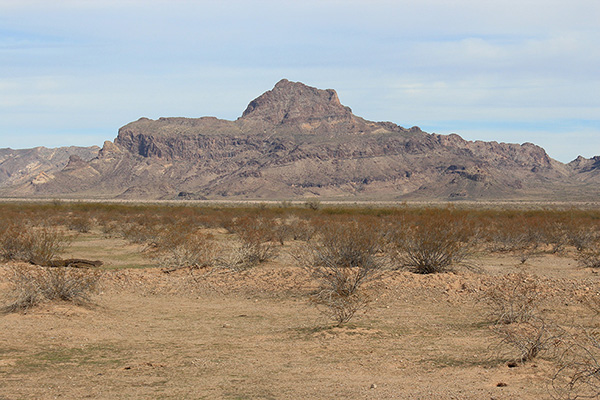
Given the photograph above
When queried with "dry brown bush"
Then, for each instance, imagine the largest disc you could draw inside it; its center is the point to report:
(139, 233)
(176, 249)
(257, 235)
(313, 204)
(432, 245)
(583, 237)
(589, 258)
(282, 231)
(513, 298)
(578, 373)
(32, 285)
(12, 242)
(301, 229)
(80, 223)
(343, 259)
(513, 235)
(531, 339)
(35, 244)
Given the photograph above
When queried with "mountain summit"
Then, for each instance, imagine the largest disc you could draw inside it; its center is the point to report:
(294, 102)
(296, 141)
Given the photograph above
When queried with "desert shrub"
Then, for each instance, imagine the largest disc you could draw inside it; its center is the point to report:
(589, 257)
(591, 301)
(33, 285)
(578, 373)
(80, 223)
(301, 229)
(177, 249)
(513, 298)
(531, 339)
(109, 228)
(45, 244)
(313, 204)
(343, 258)
(138, 233)
(513, 235)
(12, 242)
(557, 236)
(257, 235)
(431, 245)
(583, 237)
(282, 231)
(35, 244)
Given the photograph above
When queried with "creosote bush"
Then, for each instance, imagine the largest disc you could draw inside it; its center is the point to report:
(578, 372)
(33, 285)
(258, 236)
(513, 298)
(531, 339)
(179, 249)
(32, 244)
(589, 258)
(431, 245)
(343, 258)
(81, 224)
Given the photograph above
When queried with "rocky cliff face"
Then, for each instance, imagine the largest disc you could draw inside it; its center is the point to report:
(296, 141)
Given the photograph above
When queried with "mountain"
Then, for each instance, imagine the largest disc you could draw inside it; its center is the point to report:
(37, 165)
(296, 141)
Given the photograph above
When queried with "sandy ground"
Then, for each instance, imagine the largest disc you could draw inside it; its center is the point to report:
(221, 334)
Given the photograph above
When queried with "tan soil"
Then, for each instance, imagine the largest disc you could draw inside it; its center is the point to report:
(220, 334)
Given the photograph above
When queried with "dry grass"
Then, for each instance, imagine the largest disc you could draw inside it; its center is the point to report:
(36, 244)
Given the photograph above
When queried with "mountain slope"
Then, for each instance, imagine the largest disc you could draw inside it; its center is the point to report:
(18, 167)
(296, 141)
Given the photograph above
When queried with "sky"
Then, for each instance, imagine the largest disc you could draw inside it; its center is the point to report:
(73, 71)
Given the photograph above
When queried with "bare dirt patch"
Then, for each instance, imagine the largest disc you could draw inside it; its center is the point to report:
(252, 335)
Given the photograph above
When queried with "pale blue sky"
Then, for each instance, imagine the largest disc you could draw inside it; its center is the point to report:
(73, 72)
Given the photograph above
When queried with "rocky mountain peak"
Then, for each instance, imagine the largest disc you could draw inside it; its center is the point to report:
(294, 102)
(583, 164)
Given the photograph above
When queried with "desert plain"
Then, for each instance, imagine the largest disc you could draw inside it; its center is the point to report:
(212, 321)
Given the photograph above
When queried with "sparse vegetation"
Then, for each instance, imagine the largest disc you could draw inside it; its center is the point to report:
(513, 298)
(432, 245)
(531, 339)
(257, 236)
(344, 258)
(544, 307)
(175, 249)
(578, 370)
(32, 244)
(32, 285)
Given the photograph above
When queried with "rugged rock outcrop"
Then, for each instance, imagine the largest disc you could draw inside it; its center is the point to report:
(19, 167)
(296, 141)
(586, 169)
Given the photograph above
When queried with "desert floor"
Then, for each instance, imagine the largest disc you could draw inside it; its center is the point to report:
(225, 334)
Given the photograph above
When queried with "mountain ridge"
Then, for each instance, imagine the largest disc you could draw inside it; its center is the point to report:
(295, 141)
